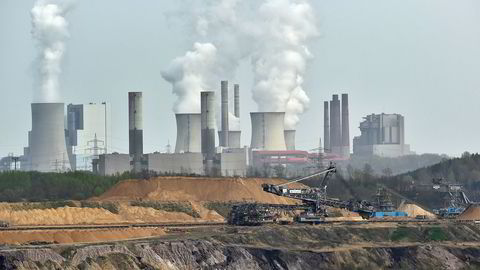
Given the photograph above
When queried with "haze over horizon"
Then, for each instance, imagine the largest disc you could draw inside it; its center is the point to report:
(408, 57)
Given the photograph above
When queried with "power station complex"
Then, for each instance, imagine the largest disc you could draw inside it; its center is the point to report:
(81, 139)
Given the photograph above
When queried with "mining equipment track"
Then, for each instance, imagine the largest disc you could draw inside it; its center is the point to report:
(110, 226)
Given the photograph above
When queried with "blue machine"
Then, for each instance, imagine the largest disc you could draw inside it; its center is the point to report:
(388, 214)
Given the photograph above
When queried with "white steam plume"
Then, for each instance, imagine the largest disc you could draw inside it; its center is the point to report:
(272, 33)
(281, 58)
(50, 30)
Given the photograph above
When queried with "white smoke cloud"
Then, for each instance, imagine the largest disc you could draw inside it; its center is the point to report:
(190, 74)
(280, 60)
(272, 33)
(50, 30)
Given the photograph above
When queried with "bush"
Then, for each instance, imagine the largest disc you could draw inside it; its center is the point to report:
(109, 206)
(183, 207)
(222, 208)
(43, 205)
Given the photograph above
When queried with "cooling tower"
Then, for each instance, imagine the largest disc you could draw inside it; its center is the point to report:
(268, 130)
(48, 149)
(234, 138)
(208, 123)
(224, 116)
(188, 133)
(289, 139)
(335, 126)
(345, 126)
(135, 129)
(326, 127)
(236, 100)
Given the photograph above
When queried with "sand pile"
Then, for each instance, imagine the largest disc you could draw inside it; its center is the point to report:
(126, 214)
(471, 213)
(196, 190)
(80, 236)
(414, 210)
(60, 216)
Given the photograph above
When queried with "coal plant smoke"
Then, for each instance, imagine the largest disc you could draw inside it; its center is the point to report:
(50, 30)
(272, 34)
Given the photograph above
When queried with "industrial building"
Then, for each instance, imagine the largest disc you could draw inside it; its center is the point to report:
(47, 149)
(336, 127)
(86, 145)
(89, 133)
(382, 135)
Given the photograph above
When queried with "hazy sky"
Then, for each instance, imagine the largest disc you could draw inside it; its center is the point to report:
(419, 58)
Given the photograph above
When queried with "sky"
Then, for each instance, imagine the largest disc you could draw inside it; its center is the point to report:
(418, 58)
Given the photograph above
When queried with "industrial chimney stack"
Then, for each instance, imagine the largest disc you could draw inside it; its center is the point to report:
(236, 96)
(224, 116)
(208, 123)
(326, 127)
(135, 129)
(336, 126)
(345, 127)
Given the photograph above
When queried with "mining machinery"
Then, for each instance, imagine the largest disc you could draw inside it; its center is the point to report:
(456, 200)
(312, 210)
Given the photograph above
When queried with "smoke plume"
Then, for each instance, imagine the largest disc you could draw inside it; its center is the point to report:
(50, 30)
(273, 34)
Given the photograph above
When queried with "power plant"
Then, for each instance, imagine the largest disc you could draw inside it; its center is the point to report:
(84, 142)
(382, 135)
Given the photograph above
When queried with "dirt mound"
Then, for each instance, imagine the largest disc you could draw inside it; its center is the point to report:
(471, 213)
(126, 214)
(79, 236)
(414, 210)
(196, 190)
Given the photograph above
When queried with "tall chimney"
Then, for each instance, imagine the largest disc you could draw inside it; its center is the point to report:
(208, 123)
(135, 126)
(335, 126)
(236, 95)
(345, 126)
(225, 127)
(326, 127)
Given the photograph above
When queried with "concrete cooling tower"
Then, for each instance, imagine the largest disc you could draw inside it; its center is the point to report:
(188, 133)
(48, 148)
(268, 131)
(290, 139)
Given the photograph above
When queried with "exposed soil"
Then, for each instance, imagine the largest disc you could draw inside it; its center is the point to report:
(471, 213)
(77, 236)
(196, 189)
(414, 210)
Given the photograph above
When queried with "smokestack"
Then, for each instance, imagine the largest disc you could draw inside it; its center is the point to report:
(225, 127)
(236, 96)
(326, 127)
(135, 126)
(188, 133)
(208, 123)
(345, 126)
(290, 139)
(268, 130)
(48, 148)
(335, 126)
